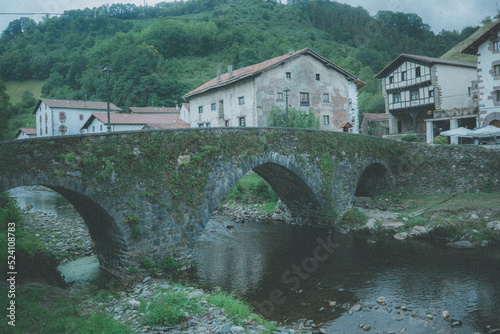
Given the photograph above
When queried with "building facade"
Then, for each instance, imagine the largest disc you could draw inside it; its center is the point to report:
(25, 133)
(417, 88)
(65, 117)
(487, 49)
(244, 97)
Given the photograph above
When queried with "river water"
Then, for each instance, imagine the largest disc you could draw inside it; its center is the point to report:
(289, 272)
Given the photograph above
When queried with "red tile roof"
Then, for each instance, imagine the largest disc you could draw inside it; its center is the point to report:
(153, 110)
(76, 104)
(27, 131)
(376, 116)
(345, 125)
(162, 121)
(261, 67)
(428, 60)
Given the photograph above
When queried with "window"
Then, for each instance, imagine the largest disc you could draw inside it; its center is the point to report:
(496, 46)
(403, 76)
(431, 92)
(100, 127)
(417, 71)
(81, 117)
(326, 119)
(241, 100)
(414, 95)
(497, 70)
(200, 109)
(62, 117)
(396, 97)
(317, 76)
(279, 96)
(93, 128)
(226, 123)
(498, 95)
(213, 107)
(241, 121)
(289, 75)
(304, 99)
(326, 98)
(63, 129)
(391, 79)
(203, 125)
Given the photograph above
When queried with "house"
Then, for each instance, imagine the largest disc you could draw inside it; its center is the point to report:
(65, 117)
(154, 110)
(97, 122)
(25, 133)
(244, 97)
(374, 124)
(419, 88)
(487, 49)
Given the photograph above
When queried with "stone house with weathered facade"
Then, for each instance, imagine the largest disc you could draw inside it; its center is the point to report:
(66, 117)
(418, 88)
(487, 49)
(244, 97)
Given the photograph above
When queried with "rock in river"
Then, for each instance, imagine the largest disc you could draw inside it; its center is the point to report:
(462, 244)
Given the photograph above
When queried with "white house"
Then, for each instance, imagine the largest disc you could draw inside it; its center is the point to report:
(244, 97)
(97, 122)
(419, 88)
(65, 117)
(487, 49)
(25, 133)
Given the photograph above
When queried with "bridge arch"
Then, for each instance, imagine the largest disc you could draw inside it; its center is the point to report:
(374, 179)
(110, 243)
(298, 191)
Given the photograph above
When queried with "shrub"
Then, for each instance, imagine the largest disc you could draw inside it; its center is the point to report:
(354, 218)
(441, 140)
(410, 138)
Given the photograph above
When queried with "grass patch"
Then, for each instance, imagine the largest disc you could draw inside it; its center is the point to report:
(168, 308)
(43, 309)
(354, 218)
(251, 189)
(16, 89)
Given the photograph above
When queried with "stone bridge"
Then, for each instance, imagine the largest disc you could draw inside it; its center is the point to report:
(150, 194)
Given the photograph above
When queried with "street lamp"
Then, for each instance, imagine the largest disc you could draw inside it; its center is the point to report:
(108, 70)
(286, 90)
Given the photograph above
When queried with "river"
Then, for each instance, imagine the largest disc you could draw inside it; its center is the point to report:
(290, 272)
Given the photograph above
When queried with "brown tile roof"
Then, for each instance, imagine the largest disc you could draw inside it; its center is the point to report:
(345, 125)
(489, 33)
(261, 67)
(28, 131)
(428, 60)
(153, 110)
(76, 104)
(376, 116)
(162, 121)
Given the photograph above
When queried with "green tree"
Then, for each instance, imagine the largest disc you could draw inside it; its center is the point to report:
(296, 118)
(6, 109)
(371, 103)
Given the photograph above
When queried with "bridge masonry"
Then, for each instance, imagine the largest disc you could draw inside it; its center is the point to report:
(150, 194)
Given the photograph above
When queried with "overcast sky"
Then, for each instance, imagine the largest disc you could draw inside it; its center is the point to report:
(439, 14)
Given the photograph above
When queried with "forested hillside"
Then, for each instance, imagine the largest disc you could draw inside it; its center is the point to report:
(160, 53)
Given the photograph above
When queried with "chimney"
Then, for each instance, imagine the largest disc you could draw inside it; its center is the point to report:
(290, 51)
(230, 71)
(219, 75)
(176, 106)
(85, 101)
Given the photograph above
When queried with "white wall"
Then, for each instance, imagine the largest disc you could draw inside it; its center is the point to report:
(454, 83)
(98, 126)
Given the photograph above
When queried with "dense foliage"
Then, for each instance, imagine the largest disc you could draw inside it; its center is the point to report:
(160, 53)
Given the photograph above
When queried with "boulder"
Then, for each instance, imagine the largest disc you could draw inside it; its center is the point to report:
(401, 236)
(494, 226)
(462, 244)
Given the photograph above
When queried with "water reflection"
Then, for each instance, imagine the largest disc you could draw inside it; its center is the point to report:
(44, 200)
(253, 258)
